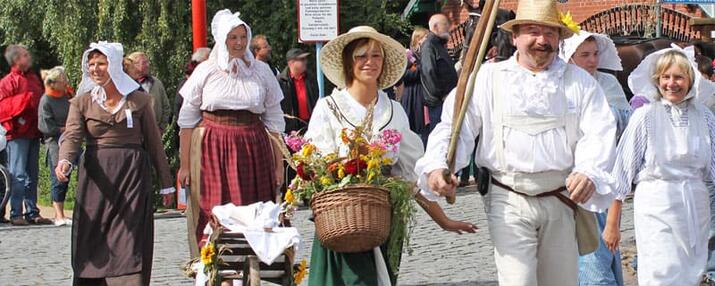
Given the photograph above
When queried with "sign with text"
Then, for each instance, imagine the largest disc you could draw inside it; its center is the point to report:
(317, 20)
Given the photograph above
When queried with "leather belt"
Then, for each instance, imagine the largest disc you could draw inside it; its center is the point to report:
(555, 193)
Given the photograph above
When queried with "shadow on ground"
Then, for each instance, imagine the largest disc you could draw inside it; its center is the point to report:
(461, 283)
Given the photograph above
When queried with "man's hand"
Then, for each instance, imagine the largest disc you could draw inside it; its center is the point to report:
(438, 185)
(580, 187)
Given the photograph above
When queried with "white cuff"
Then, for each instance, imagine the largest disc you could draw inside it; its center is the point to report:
(169, 190)
(423, 177)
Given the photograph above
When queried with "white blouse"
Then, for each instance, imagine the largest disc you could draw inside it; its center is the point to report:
(632, 154)
(539, 94)
(253, 88)
(325, 127)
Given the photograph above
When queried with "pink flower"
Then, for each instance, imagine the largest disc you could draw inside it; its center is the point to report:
(391, 137)
(294, 141)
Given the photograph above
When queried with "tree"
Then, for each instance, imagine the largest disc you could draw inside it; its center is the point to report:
(58, 31)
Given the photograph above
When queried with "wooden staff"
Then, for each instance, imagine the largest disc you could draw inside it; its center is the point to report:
(465, 85)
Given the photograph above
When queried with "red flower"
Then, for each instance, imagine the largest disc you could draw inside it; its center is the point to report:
(302, 173)
(354, 166)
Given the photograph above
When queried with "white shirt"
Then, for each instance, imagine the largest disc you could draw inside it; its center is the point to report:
(325, 127)
(528, 93)
(253, 88)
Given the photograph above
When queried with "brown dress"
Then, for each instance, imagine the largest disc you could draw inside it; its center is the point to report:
(113, 227)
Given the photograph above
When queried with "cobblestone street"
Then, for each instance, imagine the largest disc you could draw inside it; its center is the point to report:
(41, 255)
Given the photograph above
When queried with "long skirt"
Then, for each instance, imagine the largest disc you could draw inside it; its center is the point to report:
(330, 268)
(237, 166)
(113, 226)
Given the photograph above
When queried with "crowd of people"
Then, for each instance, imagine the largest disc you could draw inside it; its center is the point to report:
(549, 130)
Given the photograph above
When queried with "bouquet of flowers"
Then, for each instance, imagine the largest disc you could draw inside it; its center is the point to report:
(367, 161)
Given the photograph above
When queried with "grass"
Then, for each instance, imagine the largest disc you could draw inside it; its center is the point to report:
(44, 196)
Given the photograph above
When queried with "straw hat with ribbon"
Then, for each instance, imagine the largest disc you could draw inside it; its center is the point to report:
(393, 66)
(542, 12)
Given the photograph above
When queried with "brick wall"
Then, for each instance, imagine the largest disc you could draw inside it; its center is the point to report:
(580, 9)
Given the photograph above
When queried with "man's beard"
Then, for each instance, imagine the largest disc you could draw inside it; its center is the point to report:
(444, 35)
(542, 54)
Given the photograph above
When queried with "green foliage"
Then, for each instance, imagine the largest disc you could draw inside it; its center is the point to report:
(58, 31)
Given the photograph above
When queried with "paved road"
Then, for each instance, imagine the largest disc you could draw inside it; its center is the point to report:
(41, 255)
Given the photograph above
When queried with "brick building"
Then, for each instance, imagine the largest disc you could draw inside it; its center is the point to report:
(457, 10)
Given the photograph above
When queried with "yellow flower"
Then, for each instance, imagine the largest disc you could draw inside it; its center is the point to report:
(371, 176)
(289, 197)
(326, 180)
(568, 21)
(301, 272)
(341, 172)
(207, 253)
(372, 164)
(308, 150)
(387, 161)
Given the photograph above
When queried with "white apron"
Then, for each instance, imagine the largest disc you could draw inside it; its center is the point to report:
(671, 205)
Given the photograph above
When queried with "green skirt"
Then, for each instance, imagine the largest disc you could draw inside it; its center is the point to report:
(330, 268)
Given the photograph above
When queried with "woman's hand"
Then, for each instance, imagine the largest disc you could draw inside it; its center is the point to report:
(184, 176)
(168, 199)
(63, 171)
(279, 175)
(458, 226)
(612, 238)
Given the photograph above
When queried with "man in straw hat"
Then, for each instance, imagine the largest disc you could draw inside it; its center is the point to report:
(547, 137)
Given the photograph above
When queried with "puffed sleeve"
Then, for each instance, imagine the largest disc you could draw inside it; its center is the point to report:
(710, 119)
(192, 92)
(320, 132)
(273, 117)
(595, 149)
(411, 148)
(630, 154)
(435, 156)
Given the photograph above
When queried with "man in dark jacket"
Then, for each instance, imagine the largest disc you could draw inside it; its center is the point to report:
(436, 68)
(300, 90)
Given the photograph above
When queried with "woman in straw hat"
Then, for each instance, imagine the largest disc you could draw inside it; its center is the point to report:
(233, 98)
(592, 52)
(668, 151)
(361, 63)
(113, 226)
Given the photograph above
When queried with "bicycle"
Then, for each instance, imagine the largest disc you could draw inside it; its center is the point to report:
(5, 187)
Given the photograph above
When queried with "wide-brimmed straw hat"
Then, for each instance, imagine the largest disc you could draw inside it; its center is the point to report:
(541, 12)
(393, 66)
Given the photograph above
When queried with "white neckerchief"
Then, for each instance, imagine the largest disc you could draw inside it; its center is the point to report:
(99, 96)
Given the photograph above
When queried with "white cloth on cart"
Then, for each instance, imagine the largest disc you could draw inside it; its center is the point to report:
(253, 220)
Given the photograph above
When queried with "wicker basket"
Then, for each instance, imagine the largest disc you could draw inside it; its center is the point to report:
(355, 218)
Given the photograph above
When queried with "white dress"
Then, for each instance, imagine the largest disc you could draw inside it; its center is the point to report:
(324, 128)
(667, 150)
(324, 132)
